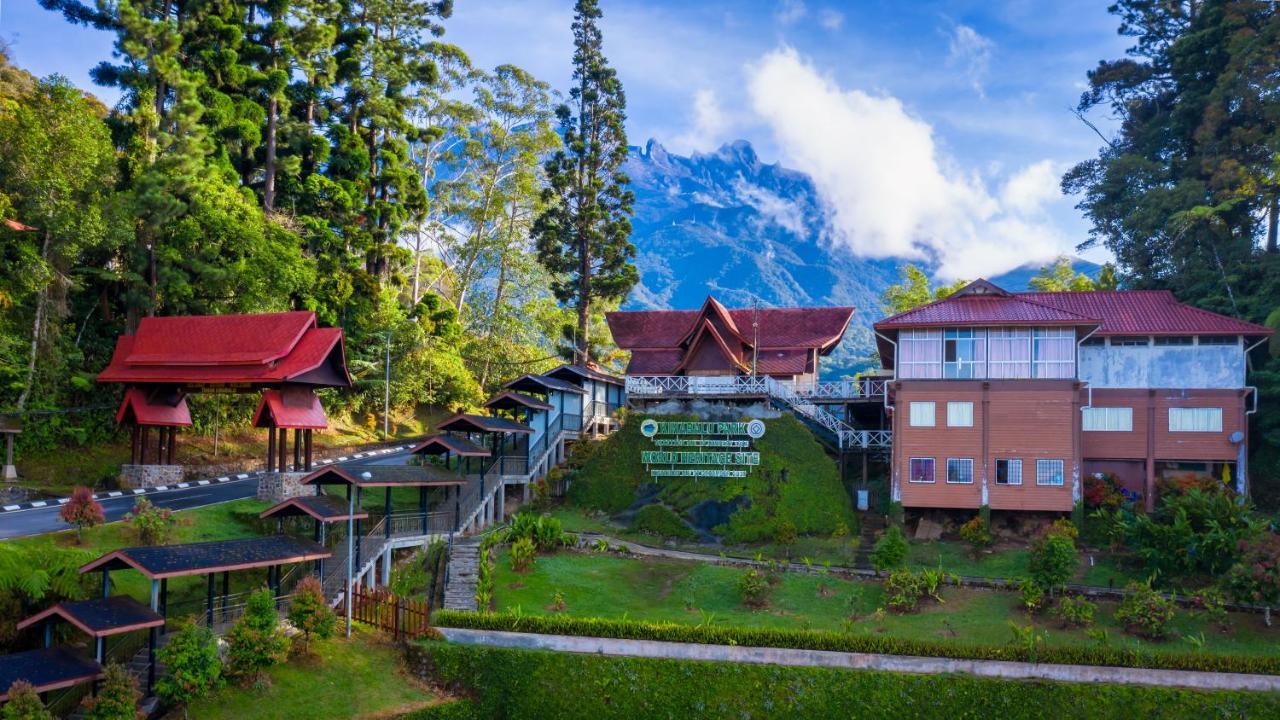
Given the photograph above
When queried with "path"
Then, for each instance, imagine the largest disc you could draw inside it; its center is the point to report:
(43, 518)
(464, 564)
(866, 661)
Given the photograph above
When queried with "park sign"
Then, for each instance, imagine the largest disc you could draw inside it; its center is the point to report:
(701, 449)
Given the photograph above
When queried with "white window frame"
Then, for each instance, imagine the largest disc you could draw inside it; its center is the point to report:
(971, 340)
(911, 475)
(1197, 419)
(1013, 479)
(918, 420)
(1065, 336)
(1009, 337)
(1042, 474)
(922, 369)
(960, 414)
(960, 462)
(1107, 419)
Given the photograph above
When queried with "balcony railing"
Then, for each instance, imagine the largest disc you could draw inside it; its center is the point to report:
(745, 385)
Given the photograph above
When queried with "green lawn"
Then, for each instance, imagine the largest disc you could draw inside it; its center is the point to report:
(690, 592)
(359, 678)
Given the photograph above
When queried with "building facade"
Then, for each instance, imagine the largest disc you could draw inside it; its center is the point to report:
(1008, 400)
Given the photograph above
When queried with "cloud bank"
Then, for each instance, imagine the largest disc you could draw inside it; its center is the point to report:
(891, 191)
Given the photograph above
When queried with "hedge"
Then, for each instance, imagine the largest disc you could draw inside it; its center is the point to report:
(847, 642)
(538, 684)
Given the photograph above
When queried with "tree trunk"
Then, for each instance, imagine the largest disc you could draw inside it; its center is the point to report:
(37, 329)
(269, 184)
(584, 300)
(1273, 223)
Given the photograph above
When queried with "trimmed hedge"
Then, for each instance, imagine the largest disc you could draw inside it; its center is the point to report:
(535, 684)
(844, 642)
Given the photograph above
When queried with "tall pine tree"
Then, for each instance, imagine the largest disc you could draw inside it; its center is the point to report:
(583, 235)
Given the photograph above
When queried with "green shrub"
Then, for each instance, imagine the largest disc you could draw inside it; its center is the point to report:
(720, 634)
(1145, 612)
(521, 555)
(1053, 556)
(977, 532)
(256, 641)
(785, 533)
(662, 521)
(1210, 605)
(151, 525)
(513, 683)
(1076, 611)
(311, 614)
(1255, 578)
(753, 587)
(1031, 596)
(890, 551)
(117, 698)
(192, 665)
(24, 704)
(544, 531)
(904, 589)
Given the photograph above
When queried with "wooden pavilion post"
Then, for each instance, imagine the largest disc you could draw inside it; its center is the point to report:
(283, 447)
(153, 637)
(307, 437)
(173, 442)
(297, 449)
(133, 444)
(146, 438)
(422, 507)
(386, 512)
(271, 448)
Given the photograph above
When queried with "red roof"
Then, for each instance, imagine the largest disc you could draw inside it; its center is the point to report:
(818, 327)
(135, 408)
(1146, 312)
(16, 226)
(264, 349)
(1114, 312)
(294, 410)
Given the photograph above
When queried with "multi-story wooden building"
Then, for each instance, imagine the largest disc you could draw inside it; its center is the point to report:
(1007, 400)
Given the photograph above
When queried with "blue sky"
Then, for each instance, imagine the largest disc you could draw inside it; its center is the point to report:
(933, 129)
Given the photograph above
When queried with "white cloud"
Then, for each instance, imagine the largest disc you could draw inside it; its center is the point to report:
(782, 212)
(790, 11)
(831, 19)
(891, 191)
(710, 123)
(971, 52)
(1028, 190)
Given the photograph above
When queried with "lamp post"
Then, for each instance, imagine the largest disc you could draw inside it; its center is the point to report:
(386, 388)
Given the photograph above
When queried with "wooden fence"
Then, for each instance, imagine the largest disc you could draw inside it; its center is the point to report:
(379, 607)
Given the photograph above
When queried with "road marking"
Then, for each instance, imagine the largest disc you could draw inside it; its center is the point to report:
(139, 491)
(326, 461)
(115, 493)
(39, 503)
(161, 487)
(11, 507)
(242, 476)
(184, 485)
(63, 501)
(344, 458)
(224, 478)
(203, 482)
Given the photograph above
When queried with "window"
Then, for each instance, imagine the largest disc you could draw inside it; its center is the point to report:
(1108, 419)
(1093, 342)
(1053, 351)
(920, 354)
(1218, 340)
(1008, 471)
(963, 353)
(1133, 341)
(1195, 419)
(959, 414)
(960, 470)
(922, 414)
(1048, 472)
(1009, 353)
(1175, 340)
(921, 470)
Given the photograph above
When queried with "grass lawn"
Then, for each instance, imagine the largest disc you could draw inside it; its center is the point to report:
(225, 521)
(357, 678)
(690, 592)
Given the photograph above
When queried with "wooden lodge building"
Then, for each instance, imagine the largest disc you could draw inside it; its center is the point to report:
(986, 398)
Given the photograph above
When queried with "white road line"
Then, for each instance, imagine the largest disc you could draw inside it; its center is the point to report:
(63, 501)
(242, 476)
(39, 503)
(224, 478)
(202, 482)
(115, 493)
(184, 485)
(11, 507)
(139, 491)
(158, 488)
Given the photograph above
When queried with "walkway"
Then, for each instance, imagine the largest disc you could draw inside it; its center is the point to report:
(464, 565)
(866, 661)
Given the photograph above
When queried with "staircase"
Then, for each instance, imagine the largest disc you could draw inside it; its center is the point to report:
(463, 574)
(873, 524)
(836, 433)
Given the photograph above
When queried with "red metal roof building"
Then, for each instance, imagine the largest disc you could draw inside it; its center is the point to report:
(1009, 400)
(785, 343)
(285, 355)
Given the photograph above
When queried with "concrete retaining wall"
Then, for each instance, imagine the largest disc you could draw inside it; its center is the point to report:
(866, 661)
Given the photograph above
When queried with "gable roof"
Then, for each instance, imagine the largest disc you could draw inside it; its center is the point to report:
(135, 407)
(509, 399)
(1146, 312)
(466, 422)
(982, 303)
(165, 561)
(101, 617)
(817, 327)
(293, 410)
(440, 444)
(533, 382)
(325, 508)
(259, 349)
(707, 333)
(568, 371)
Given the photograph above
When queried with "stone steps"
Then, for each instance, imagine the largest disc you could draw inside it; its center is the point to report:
(464, 573)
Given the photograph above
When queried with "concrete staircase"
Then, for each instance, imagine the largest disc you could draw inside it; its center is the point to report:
(464, 573)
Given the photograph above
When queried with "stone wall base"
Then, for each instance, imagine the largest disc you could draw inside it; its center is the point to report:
(133, 477)
(277, 486)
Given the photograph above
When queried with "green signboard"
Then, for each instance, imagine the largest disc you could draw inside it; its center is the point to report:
(701, 449)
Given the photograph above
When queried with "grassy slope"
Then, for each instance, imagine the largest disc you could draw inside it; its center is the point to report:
(693, 592)
(810, 497)
(360, 678)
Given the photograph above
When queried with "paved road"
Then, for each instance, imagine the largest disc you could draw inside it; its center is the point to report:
(36, 521)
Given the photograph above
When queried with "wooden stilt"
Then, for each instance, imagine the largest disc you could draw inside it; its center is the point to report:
(283, 447)
(271, 449)
(297, 450)
(307, 437)
(146, 438)
(133, 444)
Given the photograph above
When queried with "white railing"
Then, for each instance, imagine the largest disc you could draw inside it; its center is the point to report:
(665, 385)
